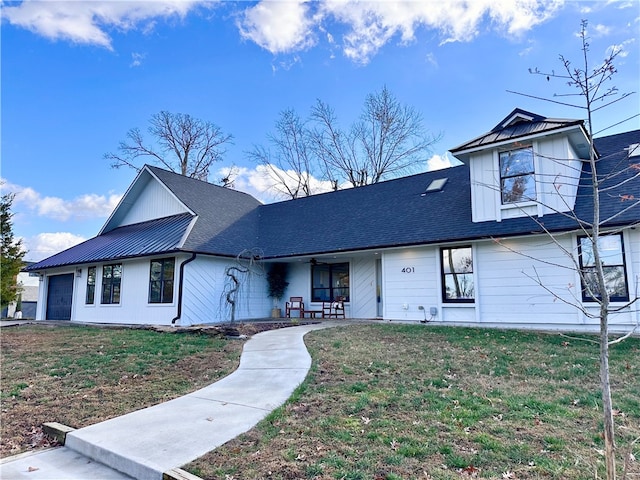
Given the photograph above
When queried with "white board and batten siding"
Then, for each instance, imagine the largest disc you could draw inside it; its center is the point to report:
(557, 175)
(154, 201)
(134, 307)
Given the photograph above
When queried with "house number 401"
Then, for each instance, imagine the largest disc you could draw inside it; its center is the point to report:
(409, 270)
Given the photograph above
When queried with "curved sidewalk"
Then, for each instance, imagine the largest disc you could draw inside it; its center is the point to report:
(148, 442)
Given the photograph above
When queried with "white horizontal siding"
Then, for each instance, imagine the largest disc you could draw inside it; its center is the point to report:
(507, 290)
(410, 281)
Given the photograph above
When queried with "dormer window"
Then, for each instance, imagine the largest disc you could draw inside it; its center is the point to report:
(517, 181)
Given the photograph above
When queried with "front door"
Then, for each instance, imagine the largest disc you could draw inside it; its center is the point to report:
(59, 296)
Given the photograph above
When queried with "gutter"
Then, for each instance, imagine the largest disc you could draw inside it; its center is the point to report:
(180, 282)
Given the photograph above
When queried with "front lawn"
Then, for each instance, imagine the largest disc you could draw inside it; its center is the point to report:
(80, 375)
(395, 401)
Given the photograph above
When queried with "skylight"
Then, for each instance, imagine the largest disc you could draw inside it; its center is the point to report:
(436, 185)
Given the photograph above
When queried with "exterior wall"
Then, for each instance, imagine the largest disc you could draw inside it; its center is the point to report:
(507, 293)
(154, 202)
(204, 293)
(556, 167)
(410, 280)
(558, 171)
(134, 306)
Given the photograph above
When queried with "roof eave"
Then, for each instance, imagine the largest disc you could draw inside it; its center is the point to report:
(462, 153)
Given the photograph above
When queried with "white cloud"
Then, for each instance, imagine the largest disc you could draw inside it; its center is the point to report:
(261, 182)
(600, 30)
(279, 27)
(87, 22)
(622, 49)
(44, 245)
(373, 24)
(136, 59)
(438, 162)
(86, 206)
(290, 26)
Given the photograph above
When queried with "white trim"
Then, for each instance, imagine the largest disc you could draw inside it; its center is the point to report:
(525, 138)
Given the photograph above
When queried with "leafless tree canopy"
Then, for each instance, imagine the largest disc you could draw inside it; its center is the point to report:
(387, 140)
(181, 143)
(289, 161)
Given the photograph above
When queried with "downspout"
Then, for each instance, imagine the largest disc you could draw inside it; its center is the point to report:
(180, 281)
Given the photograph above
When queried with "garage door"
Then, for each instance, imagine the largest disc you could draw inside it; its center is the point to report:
(59, 296)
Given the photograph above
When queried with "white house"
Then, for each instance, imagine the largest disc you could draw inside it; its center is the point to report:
(468, 245)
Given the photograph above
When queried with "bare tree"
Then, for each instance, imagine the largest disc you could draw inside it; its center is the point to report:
(388, 140)
(181, 143)
(596, 278)
(289, 161)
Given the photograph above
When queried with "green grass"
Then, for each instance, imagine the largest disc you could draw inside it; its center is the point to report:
(414, 402)
(79, 375)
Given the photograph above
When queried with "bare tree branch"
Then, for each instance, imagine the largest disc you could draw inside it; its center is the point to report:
(181, 143)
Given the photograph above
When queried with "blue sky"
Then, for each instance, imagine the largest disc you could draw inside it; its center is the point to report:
(77, 75)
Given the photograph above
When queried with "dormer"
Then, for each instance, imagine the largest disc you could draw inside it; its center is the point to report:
(527, 165)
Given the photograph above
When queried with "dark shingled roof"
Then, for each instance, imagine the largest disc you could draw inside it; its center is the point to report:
(399, 213)
(227, 219)
(388, 214)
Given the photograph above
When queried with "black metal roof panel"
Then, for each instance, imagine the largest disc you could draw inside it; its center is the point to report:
(516, 129)
(158, 236)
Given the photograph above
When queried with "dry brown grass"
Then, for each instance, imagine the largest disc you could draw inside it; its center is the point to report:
(412, 402)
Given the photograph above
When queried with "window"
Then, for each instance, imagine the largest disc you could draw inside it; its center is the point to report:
(111, 280)
(517, 181)
(457, 275)
(611, 251)
(329, 281)
(91, 286)
(161, 280)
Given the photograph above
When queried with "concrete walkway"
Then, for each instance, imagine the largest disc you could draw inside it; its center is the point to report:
(148, 442)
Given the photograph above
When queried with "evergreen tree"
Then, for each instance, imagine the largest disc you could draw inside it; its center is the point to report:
(12, 253)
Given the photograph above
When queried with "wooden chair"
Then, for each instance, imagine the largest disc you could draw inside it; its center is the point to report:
(333, 309)
(295, 304)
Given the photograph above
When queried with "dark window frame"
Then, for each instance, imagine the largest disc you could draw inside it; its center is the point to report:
(111, 285)
(164, 291)
(454, 274)
(585, 269)
(505, 176)
(335, 292)
(90, 296)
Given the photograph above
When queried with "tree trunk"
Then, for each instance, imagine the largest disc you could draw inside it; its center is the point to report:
(607, 409)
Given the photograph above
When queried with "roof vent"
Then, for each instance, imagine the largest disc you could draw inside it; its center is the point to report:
(436, 185)
(634, 150)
